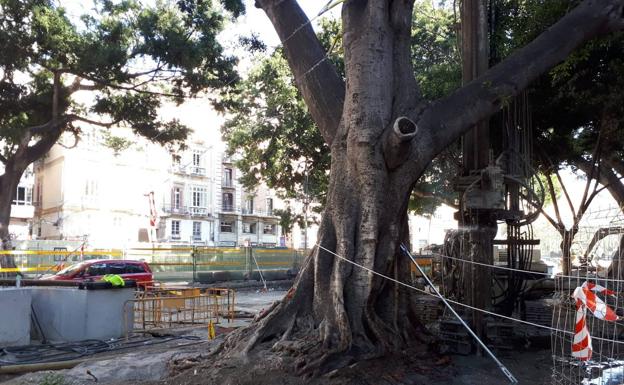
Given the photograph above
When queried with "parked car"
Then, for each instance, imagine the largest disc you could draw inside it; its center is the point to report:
(94, 270)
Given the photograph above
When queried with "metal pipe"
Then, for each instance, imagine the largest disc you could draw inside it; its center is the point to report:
(26, 368)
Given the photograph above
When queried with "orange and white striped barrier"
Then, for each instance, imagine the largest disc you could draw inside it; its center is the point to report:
(586, 298)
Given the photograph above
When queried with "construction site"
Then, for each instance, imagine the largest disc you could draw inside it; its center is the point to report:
(81, 329)
(381, 193)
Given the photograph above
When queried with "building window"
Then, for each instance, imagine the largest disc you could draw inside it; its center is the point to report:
(228, 202)
(23, 196)
(198, 196)
(269, 206)
(228, 177)
(175, 229)
(197, 155)
(198, 168)
(249, 228)
(227, 227)
(90, 188)
(269, 229)
(197, 231)
(177, 198)
(249, 206)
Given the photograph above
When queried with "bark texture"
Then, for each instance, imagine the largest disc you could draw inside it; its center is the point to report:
(338, 312)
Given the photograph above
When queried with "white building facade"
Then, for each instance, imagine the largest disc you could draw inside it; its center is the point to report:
(22, 208)
(93, 194)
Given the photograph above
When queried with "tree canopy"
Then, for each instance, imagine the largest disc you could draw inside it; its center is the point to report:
(278, 143)
(578, 106)
(111, 67)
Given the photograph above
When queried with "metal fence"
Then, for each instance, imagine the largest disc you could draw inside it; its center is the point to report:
(167, 263)
(160, 307)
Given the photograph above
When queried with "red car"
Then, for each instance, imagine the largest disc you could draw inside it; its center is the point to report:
(94, 270)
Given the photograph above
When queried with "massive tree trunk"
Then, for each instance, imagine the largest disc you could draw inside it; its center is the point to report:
(8, 187)
(382, 136)
(28, 150)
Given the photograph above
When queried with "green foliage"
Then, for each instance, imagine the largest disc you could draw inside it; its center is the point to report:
(570, 103)
(130, 55)
(435, 54)
(288, 219)
(271, 132)
(116, 143)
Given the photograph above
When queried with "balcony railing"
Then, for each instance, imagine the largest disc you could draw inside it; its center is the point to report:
(198, 171)
(227, 207)
(178, 169)
(246, 211)
(227, 183)
(193, 211)
(176, 209)
(199, 211)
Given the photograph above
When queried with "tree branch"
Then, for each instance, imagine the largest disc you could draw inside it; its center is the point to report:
(73, 117)
(594, 168)
(134, 88)
(317, 79)
(553, 198)
(449, 118)
(606, 177)
(565, 190)
(37, 150)
(425, 194)
(616, 164)
(406, 88)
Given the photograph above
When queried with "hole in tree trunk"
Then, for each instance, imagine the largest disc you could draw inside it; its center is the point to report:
(405, 126)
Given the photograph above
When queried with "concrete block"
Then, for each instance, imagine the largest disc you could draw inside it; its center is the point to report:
(68, 314)
(15, 316)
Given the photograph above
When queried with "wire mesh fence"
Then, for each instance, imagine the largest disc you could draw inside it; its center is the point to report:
(167, 263)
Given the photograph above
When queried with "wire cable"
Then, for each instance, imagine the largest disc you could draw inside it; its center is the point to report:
(458, 303)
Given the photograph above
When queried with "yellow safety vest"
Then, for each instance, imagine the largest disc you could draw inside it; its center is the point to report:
(114, 279)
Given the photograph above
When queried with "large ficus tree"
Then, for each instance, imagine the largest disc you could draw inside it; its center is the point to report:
(129, 56)
(382, 135)
(277, 143)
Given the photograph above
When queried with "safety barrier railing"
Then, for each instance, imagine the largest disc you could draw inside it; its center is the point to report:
(48, 261)
(174, 263)
(160, 307)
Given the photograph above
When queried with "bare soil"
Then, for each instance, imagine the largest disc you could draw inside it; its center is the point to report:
(529, 367)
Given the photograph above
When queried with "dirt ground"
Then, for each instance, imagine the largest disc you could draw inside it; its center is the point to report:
(192, 365)
(531, 367)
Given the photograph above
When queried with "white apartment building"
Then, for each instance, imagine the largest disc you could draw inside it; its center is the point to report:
(22, 209)
(91, 193)
(246, 218)
(188, 201)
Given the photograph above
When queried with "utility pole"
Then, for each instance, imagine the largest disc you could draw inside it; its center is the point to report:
(475, 214)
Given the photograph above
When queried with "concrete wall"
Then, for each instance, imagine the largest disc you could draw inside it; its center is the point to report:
(15, 316)
(68, 314)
